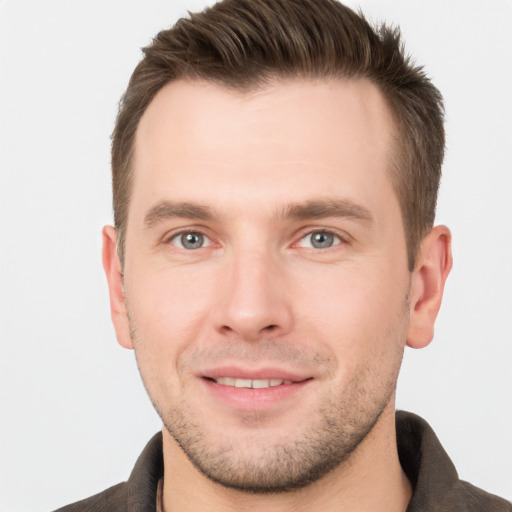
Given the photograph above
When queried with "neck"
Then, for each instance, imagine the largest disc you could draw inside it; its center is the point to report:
(370, 480)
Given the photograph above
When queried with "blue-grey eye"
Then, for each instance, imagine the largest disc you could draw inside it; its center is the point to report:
(191, 240)
(319, 240)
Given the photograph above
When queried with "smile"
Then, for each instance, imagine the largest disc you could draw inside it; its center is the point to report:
(254, 390)
(251, 383)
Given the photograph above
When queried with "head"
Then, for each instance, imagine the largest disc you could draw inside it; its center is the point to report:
(275, 171)
(244, 44)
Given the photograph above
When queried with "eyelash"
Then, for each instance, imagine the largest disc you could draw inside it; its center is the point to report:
(339, 240)
(179, 234)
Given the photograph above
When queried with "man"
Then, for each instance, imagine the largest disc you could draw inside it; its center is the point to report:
(275, 174)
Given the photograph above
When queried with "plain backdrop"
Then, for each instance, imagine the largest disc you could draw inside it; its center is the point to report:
(73, 413)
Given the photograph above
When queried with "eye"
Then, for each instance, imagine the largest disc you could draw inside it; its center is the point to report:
(190, 240)
(319, 240)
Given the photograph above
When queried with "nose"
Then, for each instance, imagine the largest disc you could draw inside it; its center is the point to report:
(253, 301)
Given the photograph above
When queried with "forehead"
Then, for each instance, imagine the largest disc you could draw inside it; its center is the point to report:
(297, 136)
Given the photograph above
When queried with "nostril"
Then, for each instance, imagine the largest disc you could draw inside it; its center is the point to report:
(270, 327)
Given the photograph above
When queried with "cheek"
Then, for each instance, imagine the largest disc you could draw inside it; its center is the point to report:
(167, 310)
(359, 311)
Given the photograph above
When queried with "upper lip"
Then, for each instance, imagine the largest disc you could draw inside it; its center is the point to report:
(254, 374)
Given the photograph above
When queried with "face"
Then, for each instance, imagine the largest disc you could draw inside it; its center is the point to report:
(265, 276)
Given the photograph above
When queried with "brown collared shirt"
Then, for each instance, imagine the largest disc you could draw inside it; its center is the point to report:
(436, 485)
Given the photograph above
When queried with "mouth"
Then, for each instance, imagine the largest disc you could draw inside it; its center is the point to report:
(254, 390)
(250, 383)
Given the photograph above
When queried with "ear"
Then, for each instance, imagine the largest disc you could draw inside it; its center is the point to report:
(112, 267)
(433, 265)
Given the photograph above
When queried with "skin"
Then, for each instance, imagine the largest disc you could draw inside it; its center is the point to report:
(259, 175)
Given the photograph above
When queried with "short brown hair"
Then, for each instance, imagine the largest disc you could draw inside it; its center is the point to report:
(242, 44)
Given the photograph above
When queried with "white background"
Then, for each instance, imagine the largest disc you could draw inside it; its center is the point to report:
(73, 414)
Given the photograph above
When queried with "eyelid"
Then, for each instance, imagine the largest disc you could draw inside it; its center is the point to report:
(169, 237)
(343, 237)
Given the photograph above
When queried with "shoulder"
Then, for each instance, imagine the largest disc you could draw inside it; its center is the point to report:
(138, 493)
(466, 497)
(112, 499)
(436, 484)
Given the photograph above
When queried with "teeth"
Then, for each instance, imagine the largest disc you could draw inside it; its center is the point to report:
(248, 383)
(243, 383)
(227, 381)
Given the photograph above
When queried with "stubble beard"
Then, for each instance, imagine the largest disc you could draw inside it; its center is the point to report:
(290, 464)
(326, 439)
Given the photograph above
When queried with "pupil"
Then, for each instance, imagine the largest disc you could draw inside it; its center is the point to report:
(322, 240)
(192, 240)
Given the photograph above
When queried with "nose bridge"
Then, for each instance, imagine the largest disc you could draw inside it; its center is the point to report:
(254, 300)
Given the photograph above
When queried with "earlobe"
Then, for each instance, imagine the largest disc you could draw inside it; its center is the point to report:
(433, 265)
(112, 267)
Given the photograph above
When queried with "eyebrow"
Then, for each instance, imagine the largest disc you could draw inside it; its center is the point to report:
(315, 209)
(168, 210)
(319, 209)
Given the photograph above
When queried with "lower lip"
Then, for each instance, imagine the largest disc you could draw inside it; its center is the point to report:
(251, 399)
